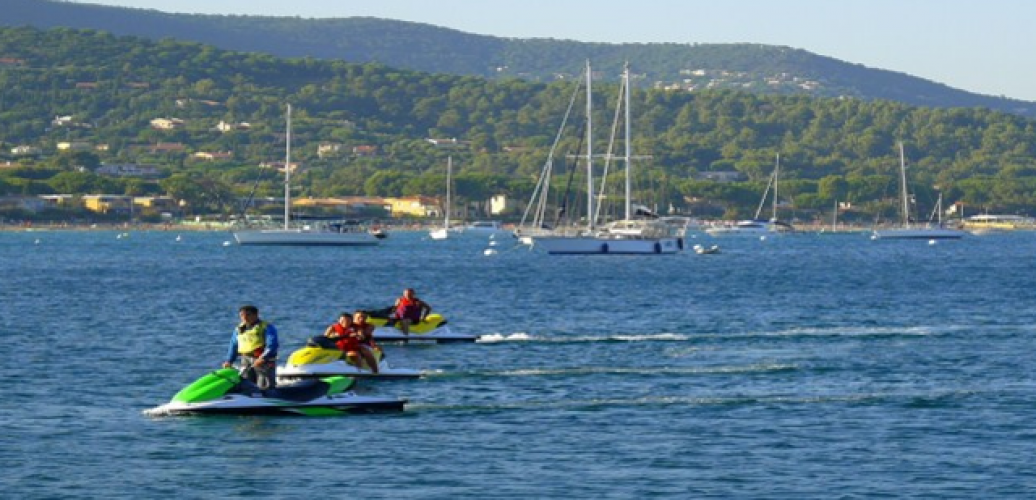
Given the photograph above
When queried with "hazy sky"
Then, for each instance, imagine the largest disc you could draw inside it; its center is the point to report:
(982, 46)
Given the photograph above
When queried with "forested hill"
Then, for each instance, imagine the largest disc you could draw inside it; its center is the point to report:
(757, 68)
(213, 117)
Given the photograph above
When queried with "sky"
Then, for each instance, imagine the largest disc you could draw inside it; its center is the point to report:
(981, 46)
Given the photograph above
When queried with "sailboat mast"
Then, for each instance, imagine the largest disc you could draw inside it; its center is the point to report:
(589, 150)
(449, 180)
(629, 156)
(287, 171)
(776, 172)
(903, 187)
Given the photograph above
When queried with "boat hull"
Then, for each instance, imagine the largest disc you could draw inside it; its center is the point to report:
(238, 404)
(341, 368)
(290, 237)
(608, 246)
(918, 234)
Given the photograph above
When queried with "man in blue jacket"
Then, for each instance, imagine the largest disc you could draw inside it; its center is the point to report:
(256, 342)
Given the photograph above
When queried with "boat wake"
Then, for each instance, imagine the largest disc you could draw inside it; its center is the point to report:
(797, 332)
(646, 370)
(943, 397)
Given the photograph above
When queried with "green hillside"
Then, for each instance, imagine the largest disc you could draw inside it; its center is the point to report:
(758, 68)
(68, 86)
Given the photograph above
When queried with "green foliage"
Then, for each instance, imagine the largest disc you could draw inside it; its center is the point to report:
(498, 132)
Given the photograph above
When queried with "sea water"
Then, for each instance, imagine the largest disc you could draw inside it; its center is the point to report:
(805, 366)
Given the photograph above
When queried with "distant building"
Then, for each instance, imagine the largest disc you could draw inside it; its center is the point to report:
(213, 156)
(107, 203)
(26, 151)
(31, 204)
(128, 170)
(415, 206)
(225, 127)
(327, 149)
(721, 176)
(345, 204)
(161, 203)
(365, 150)
(167, 123)
(501, 204)
(74, 146)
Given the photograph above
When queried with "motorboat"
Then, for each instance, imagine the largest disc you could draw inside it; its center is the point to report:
(321, 358)
(704, 250)
(224, 391)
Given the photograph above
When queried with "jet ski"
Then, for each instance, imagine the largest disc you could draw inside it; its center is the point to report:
(322, 358)
(224, 391)
(432, 329)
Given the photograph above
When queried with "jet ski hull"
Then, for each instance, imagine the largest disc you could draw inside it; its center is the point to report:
(316, 361)
(224, 392)
(238, 404)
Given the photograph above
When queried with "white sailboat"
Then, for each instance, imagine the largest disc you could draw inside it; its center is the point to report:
(906, 230)
(628, 236)
(444, 232)
(757, 226)
(323, 234)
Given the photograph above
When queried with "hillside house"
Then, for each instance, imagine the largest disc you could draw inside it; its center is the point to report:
(415, 206)
(213, 156)
(107, 203)
(128, 170)
(167, 123)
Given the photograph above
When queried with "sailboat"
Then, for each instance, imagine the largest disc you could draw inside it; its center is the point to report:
(757, 225)
(627, 236)
(324, 234)
(444, 232)
(906, 230)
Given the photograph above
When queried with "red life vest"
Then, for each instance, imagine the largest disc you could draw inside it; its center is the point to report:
(346, 341)
(366, 331)
(410, 309)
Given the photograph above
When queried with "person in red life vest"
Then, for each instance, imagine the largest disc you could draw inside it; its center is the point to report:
(364, 332)
(348, 341)
(255, 341)
(410, 310)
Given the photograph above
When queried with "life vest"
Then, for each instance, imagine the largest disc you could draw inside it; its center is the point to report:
(366, 331)
(410, 309)
(345, 340)
(341, 331)
(251, 340)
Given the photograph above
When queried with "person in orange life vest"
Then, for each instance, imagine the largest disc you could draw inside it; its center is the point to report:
(348, 340)
(255, 341)
(410, 310)
(364, 333)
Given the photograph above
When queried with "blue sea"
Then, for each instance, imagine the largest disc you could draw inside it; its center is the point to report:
(804, 366)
